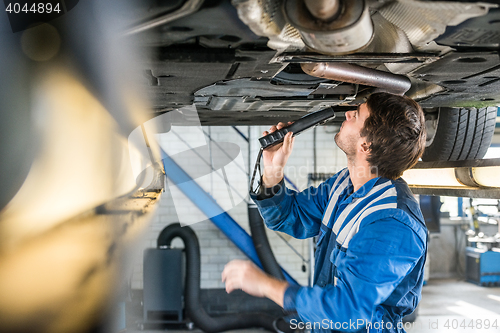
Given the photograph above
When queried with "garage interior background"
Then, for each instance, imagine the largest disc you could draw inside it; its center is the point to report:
(217, 250)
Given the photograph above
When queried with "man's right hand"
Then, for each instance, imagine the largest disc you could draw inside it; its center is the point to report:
(275, 157)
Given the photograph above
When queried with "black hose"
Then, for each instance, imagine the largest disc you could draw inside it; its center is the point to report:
(194, 309)
(261, 243)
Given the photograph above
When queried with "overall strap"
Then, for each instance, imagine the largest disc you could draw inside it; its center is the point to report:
(338, 186)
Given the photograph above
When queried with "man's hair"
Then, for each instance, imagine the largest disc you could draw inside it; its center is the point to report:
(395, 131)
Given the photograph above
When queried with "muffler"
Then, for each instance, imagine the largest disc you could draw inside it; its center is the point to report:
(331, 26)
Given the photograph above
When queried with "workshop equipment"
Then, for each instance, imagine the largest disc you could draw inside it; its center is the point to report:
(483, 266)
(170, 261)
(430, 206)
(163, 286)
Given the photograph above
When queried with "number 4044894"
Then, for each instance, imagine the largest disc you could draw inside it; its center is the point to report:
(471, 323)
(39, 8)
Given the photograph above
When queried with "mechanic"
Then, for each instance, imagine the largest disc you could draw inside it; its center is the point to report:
(372, 240)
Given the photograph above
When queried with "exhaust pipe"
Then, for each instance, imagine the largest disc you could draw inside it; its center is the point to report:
(392, 83)
(323, 9)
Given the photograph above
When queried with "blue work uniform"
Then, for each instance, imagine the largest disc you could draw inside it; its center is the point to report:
(370, 252)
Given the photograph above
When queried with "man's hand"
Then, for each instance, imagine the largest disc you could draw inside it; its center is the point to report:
(244, 275)
(275, 157)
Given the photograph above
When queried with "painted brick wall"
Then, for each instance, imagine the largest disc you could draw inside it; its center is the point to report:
(216, 249)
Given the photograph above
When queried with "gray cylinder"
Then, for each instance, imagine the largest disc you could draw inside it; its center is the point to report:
(392, 83)
(349, 29)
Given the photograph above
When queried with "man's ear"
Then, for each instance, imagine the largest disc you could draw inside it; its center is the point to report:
(365, 147)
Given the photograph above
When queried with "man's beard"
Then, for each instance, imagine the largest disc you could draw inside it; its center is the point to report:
(346, 144)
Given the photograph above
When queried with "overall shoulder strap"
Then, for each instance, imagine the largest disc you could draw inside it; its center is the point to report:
(338, 186)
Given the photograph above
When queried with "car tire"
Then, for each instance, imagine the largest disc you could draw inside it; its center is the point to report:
(458, 134)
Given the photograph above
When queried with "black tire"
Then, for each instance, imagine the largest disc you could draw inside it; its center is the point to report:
(460, 134)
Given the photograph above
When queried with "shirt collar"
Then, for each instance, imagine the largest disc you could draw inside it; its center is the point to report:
(363, 190)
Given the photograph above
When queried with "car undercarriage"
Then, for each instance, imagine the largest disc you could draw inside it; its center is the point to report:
(256, 62)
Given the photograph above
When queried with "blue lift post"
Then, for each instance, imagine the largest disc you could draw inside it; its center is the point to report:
(204, 201)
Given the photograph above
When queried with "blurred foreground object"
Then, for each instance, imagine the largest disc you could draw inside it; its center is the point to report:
(76, 192)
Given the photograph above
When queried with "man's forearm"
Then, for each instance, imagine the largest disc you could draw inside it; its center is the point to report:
(275, 290)
(266, 192)
(272, 178)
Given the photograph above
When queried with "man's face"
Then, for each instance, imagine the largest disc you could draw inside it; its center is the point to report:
(348, 138)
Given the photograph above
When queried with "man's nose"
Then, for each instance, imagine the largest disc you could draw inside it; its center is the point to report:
(348, 115)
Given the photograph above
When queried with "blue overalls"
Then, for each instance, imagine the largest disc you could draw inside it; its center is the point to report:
(370, 252)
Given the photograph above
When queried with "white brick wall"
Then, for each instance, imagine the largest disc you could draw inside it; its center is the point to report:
(216, 249)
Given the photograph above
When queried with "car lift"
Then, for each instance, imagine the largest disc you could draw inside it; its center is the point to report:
(471, 179)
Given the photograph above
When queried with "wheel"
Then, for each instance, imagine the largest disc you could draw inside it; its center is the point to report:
(457, 134)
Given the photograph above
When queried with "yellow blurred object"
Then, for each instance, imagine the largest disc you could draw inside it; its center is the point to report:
(82, 160)
(65, 234)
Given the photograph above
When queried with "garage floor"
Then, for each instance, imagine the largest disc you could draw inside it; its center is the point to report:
(449, 305)
(446, 306)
